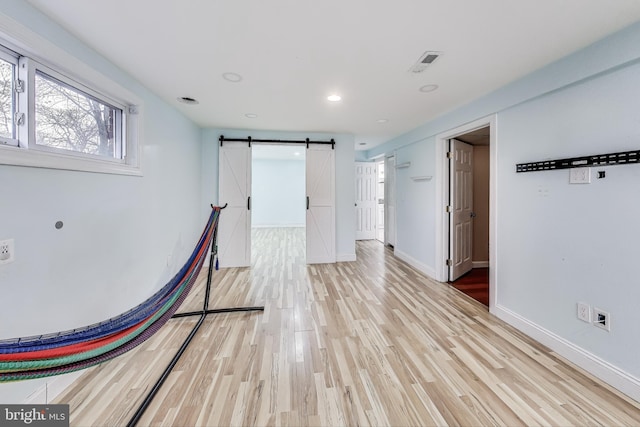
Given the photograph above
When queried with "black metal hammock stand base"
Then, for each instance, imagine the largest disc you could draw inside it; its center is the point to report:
(203, 315)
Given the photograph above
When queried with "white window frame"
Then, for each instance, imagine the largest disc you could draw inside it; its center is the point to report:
(11, 57)
(36, 53)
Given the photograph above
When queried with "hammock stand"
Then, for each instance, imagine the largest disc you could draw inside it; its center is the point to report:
(63, 352)
(203, 315)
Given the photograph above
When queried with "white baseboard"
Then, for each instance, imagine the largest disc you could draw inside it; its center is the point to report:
(345, 257)
(480, 264)
(612, 375)
(423, 268)
(52, 388)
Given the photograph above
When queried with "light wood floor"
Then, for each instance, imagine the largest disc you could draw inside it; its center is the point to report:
(371, 342)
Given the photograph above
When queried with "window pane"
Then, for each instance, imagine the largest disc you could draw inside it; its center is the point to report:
(6, 99)
(69, 119)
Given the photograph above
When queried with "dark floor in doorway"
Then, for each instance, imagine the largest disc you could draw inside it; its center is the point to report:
(475, 284)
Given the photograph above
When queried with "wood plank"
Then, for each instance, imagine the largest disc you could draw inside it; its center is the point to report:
(371, 342)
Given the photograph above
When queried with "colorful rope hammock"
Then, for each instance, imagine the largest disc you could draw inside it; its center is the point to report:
(58, 353)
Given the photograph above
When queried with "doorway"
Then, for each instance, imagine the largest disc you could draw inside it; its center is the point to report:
(469, 201)
(469, 220)
(380, 207)
(278, 202)
(390, 200)
(475, 243)
(365, 200)
(235, 192)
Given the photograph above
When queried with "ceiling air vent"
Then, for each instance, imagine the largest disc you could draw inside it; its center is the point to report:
(424, 61)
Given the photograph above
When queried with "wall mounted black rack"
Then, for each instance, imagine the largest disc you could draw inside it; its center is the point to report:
(306, 141)
(621, 158)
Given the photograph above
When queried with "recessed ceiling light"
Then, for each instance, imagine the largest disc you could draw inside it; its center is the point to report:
(334, 97)
(188, 100)
(251, 115)
(232, 77)
(382, 120)
(428, 88)
(297, 153)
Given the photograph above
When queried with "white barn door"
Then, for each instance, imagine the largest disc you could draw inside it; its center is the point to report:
(366, 202)
(321, 223)
(461, 201)
(234, 229)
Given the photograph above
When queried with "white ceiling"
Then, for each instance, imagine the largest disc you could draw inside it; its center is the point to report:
(292, 54)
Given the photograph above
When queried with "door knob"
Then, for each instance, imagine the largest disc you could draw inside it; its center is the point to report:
(472, 214)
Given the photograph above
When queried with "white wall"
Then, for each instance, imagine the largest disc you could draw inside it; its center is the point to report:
(345, 177)
(556, 243)
(278, 193)
(112, 252)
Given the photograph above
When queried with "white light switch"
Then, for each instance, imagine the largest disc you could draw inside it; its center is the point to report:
(580, 176)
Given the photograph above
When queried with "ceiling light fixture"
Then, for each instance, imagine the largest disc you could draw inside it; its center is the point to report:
(232, 77)
(382, 120)
(334, 97)
(428, 88)
(251, 115)
(362, 143)
(187, 100)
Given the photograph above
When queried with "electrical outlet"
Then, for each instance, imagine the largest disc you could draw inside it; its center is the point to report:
(580, 176)
(601, 319)
(584, 312)
(6, 251)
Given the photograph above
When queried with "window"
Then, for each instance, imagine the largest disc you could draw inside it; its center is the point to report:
(67, 118)
(50, 119)
(8, 64)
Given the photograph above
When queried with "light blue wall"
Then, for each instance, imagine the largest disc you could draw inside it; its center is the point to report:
(361, 156)
(415, 202)
(561, 243)
(345, 176)
(278, 193)
(118, 231)
(557, 244)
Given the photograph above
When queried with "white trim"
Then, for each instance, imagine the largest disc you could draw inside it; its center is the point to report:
(35, 158)
(31, 44)
(480, 264)
(52, 388)
(390, 170)
(423, 268)
(612, 375)
(345, 257)
(441, 272)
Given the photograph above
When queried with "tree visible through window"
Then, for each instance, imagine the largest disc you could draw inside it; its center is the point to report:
(55, 120)
(7, 76)
(69, 119)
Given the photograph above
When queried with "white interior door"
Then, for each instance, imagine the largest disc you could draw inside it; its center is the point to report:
(390, 200)
(380, 202)
(234, 229)
(461, 202)
(366, 202)
(321, 223)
